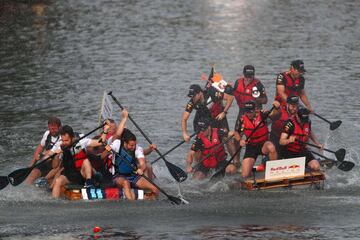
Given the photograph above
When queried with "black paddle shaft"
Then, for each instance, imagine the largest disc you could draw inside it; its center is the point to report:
(172, 149)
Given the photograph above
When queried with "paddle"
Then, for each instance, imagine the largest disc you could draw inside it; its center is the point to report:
(339, 154)
(333, 125)
(221, 172)
(342, 165)
(19, 175)
(177, 173)
(4, 181)
(173, 199)
(172, 149)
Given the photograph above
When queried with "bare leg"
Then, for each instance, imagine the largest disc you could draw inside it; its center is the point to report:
(269, 148)
(149, 171)
(35, 174)
(246, 167)
(58, 183)
(142, 183)
(125, 185)
(314, 165)
(86, 169)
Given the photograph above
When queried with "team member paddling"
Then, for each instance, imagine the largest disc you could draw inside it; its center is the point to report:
(278, 125)
(292, 83)
(129, 154)
(257, 144)
(76, 166)
(200, 101)
(298, 127)
(49, 139)
(208, 151)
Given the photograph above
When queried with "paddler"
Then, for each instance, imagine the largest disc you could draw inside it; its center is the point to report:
(208, 103)
(292, 83)
(256, 144)
(208, 151)
(77, 168)
(298, 127)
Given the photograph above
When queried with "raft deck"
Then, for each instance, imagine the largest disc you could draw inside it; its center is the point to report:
(311, 178)
(78, 192)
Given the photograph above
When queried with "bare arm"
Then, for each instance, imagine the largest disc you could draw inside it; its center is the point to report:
(189, 161)
(122, 124)
(36, 156)
(280, 89)
(185, 116)
(305, 100)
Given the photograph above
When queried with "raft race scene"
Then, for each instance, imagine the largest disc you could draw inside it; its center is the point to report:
(199, 119)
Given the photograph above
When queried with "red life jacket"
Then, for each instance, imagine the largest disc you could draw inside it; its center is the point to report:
(79, 159)
(277, 126)
(217, 155)
(243, 93)
(301, 133)
(291, 88)
(261, 134)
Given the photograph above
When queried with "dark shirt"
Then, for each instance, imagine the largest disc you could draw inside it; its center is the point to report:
(280, 80)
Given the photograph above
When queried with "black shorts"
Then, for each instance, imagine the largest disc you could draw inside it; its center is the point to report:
(279, 148)
(253, 151)
(45, 167)
(206, 171)
(74, 177)
(305, 153)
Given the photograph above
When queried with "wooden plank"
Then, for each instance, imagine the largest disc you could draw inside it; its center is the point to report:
(315, 177)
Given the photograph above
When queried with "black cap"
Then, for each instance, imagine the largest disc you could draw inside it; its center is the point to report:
(194, 89)
(298, 65)
(292, 99)
(249, 71)
(203, 123)
(303, 114)
(250, 106)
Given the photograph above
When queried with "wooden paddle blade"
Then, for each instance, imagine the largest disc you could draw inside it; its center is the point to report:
(340, 154)
(18, 176)
(335, 125)
(177, 173)
(346, 166)
(4, 181)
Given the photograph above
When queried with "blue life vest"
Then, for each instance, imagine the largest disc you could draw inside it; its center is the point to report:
(122, 167)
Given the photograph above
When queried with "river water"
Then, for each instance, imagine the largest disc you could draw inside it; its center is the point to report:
(57, 58)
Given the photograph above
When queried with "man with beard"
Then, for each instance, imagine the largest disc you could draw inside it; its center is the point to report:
(49, 139)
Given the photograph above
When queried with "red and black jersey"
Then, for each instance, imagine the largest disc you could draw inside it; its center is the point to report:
(300, 131)
(244, 93)
(292, 86)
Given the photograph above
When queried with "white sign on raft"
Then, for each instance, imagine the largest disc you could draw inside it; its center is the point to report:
(287, 168)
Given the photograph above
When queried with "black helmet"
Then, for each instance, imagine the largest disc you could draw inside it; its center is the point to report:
(303, 114)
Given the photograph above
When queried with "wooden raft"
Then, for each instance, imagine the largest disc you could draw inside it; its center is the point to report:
(77, 192)
(315, 178)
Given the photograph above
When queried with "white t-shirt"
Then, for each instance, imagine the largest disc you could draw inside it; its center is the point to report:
(82, 144)
(55, 140)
